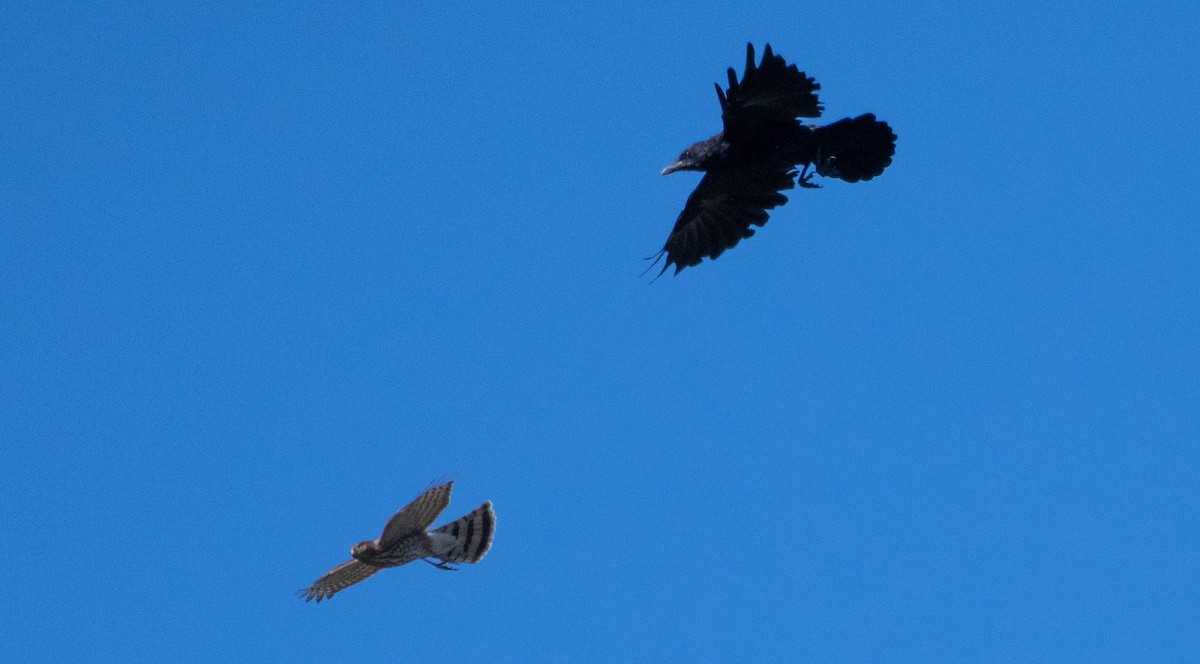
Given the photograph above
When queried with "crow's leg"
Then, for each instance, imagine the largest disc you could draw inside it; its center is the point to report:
(806, 178)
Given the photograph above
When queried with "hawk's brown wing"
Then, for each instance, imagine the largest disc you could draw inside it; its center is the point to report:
(343, 576)
(416, 516)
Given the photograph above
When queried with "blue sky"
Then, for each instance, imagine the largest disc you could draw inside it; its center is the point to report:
(267, 272)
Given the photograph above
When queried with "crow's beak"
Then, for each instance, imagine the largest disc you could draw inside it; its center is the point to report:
(677, 166)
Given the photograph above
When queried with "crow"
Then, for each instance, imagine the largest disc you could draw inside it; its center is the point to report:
(755, 157)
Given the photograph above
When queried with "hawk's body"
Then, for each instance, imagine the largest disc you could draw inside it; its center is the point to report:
(405, 539)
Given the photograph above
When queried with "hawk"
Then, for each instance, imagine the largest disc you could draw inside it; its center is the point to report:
(754, 158)
(405, 539)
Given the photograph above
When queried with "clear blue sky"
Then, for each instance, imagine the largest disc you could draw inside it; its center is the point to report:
(268, 272)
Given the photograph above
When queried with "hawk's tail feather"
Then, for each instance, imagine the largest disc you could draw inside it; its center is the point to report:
(855, 149)
(472, 535)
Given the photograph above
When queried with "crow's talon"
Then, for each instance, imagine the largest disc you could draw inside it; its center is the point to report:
(806, 179)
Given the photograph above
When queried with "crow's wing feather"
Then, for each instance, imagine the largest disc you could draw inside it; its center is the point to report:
(721, 210)
(770, 93)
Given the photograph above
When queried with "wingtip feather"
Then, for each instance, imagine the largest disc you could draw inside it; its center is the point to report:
(721, 95)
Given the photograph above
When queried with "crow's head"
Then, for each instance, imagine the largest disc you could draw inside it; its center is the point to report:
(700, 156)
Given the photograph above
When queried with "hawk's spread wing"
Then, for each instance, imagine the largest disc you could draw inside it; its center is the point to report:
(773, 92)
(721, 210)
(343, 576)
(416, 516)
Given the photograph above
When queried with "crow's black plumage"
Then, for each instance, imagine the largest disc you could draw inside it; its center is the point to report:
(755, 157)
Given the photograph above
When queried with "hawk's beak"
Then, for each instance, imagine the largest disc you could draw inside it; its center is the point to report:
(677, 166)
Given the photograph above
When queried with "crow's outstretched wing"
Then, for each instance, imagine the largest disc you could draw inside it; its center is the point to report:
(721, 210)
(771, 93)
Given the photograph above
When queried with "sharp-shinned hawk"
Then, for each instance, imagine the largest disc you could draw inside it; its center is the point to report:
(405, 539)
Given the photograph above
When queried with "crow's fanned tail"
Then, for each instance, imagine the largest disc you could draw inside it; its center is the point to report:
(854, 149)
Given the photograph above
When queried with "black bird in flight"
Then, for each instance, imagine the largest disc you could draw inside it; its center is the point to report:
(755, 157)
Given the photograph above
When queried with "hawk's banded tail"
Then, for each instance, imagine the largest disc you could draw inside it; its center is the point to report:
(472, 536)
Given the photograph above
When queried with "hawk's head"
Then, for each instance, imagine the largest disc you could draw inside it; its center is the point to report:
(363, 550)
